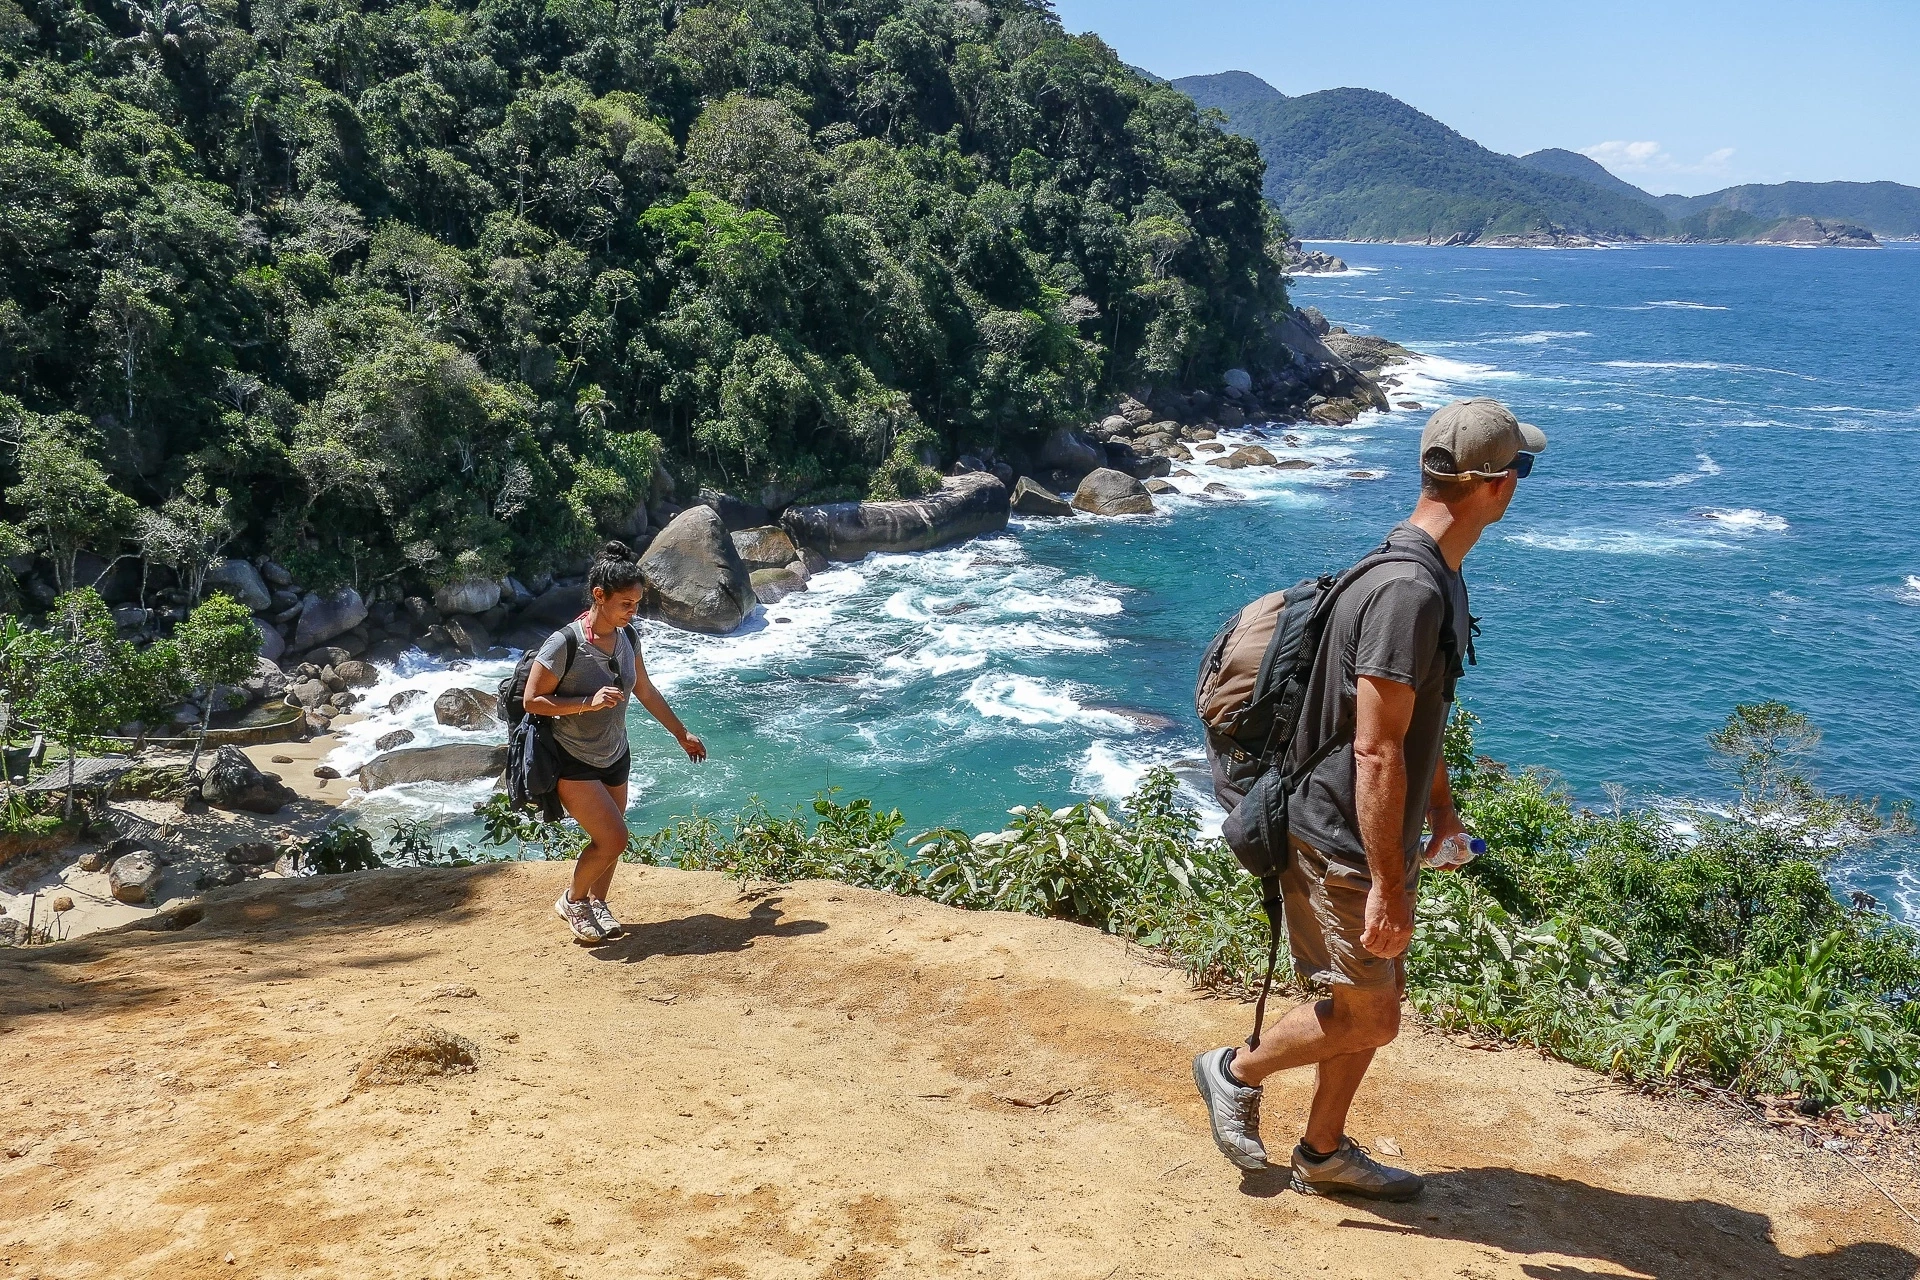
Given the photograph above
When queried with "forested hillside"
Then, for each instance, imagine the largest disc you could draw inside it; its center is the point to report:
(411, 291)
(1572, 164)
(1360, 165)
(1885, 208)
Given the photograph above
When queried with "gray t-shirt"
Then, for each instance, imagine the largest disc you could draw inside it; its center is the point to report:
(1385, 624)
(595, 738)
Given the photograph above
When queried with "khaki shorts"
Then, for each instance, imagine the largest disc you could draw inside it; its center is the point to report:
(1326, 909)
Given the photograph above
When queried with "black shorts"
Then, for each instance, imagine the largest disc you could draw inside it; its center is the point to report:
(572, 769)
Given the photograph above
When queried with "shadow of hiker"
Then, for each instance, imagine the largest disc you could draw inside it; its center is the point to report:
(704, 934)
(1530, 1213)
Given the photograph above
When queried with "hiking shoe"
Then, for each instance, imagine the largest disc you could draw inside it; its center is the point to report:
(579, 918)
(1353, 1170)
(603, 916)
(1234, 1109)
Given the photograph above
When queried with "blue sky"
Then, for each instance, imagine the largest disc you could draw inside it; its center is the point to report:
(1686, 96)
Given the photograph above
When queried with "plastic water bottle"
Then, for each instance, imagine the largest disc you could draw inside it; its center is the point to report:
(1456, 851)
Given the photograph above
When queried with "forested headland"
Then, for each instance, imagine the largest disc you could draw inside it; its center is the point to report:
(401, 294)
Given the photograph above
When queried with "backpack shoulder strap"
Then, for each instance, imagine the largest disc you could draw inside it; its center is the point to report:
(573, 647)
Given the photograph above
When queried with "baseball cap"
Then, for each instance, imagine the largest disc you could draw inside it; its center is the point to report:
(1481, 434)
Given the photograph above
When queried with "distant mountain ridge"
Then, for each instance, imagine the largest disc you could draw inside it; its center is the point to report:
(1355, 164)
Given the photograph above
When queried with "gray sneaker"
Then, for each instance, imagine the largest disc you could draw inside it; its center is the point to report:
(603, 916)
(579, 918)
(1353, 1170)
(1234, 1109)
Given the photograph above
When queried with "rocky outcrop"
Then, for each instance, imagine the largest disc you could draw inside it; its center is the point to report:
(1299, 260)
(232, 782)
(241, 581)
(770, 586)
(135, 877)
(765, 547)
(555, 607)
(466, 709)
(1107, 492)
(323, 618)
(1031, 499)
(966, 506)
(357, 674)
(455, 762)
(272, 646)
(405, 698)
(695, 578)
(465, 634)
(737, 514)
(469, 595)
(1249, 455)
(1812, 231)
(1364, 351)
(388, 741)
(1069, 451)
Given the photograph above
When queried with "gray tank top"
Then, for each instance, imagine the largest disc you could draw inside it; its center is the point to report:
(596, 738)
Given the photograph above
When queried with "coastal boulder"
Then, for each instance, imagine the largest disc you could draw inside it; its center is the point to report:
(388, 741)
(232, 782)
(766, 547)
(469, 595)
(465, 634)
(1030, 499)
(324, 617)
(736, 513)
(357, 674)
(241, 581)
(1107, 492)
(465, 708)
(272, 645)
(134, 877)
(695, 578)
(455, 762)
(1071, 452)
(1247, 455)
(1238, 382)
(405, 698)
(965, 506)
(770, 586)
(555, 607)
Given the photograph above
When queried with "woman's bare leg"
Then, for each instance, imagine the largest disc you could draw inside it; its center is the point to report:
(593, 806)
(604, 883)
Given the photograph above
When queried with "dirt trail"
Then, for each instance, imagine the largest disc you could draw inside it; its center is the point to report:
(819, 1081)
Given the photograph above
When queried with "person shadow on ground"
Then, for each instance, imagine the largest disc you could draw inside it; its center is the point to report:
(705, 934)
(1624, 1234)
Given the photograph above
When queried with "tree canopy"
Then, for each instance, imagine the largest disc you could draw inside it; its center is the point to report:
(424, 288)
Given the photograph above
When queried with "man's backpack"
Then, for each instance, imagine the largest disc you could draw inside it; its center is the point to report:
(1249, 695)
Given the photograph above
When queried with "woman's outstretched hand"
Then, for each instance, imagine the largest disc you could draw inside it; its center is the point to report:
(696, 750)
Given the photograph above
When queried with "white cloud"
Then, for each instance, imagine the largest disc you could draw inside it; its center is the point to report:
(1650, 158)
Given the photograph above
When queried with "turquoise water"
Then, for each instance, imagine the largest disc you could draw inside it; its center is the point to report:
(1726, 514)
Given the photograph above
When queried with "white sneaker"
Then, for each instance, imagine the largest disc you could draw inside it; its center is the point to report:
(579, 918)
(603, 916)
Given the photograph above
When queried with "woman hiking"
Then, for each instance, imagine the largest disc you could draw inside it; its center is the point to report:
(581, 678)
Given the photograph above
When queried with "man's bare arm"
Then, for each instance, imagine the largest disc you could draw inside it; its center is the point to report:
(1383, 709)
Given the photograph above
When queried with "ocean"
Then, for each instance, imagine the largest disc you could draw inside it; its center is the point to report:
(1726, 513)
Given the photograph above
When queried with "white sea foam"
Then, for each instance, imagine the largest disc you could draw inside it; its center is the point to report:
(1743, 520)
(1707, 467)
(1114, 771)
(1541, 336)
(1038, 703)
(1712, 365)
(1909, 591)
(1540, 306)
(1683, 306)
(1617, 542)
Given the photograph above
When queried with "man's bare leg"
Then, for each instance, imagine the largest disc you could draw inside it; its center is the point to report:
(1352, 1021)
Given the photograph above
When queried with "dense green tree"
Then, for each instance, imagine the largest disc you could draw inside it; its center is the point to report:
(218, 644)
(63, 498)
(417, 283)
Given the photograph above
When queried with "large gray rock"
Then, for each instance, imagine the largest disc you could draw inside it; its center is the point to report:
(272, 646)
(695, 578)
(1237, 381)
(241, 581)
(1071, 452)
(555, 607)
(965, 507)
(466, 635)
(465, 708)
(405, 698)
(469, 595)
(455, 762)
(1031, 499)
(323, 618)
(134, 877)
(232, 782)
(770, 586)
(357, 674)
(388, 741)
(767, 547)
(1107, 492)
(1247, 455)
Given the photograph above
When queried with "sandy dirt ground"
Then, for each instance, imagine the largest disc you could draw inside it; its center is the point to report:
(808, 1081)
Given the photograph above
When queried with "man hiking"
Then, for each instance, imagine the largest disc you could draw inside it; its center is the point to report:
(1384, 671)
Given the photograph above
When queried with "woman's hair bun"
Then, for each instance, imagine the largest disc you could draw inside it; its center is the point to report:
(617, 551)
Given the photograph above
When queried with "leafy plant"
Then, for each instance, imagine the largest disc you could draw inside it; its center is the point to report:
(341, 848)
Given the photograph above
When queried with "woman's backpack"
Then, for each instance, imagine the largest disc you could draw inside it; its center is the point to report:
(532, 768)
